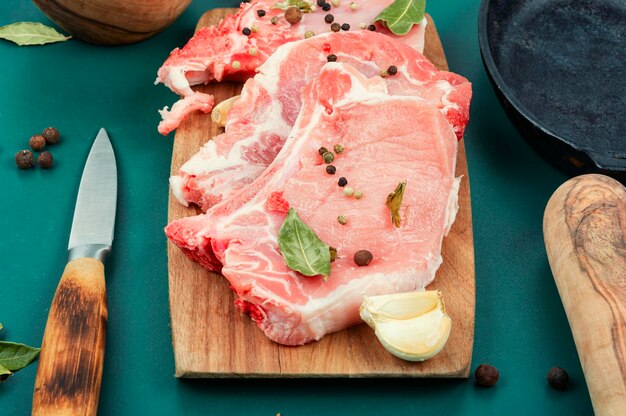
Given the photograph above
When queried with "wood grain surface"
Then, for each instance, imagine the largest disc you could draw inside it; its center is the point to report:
(72, 353)
(213, 339)
(585, 234)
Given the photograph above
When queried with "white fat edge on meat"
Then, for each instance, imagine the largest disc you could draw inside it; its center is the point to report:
(452, 206)
(177, 185)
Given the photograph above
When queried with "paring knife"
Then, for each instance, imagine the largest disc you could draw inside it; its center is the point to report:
(584, 228)
(72, 352)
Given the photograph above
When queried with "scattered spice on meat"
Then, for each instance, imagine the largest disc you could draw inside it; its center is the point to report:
(253, 51)
(392, 70)
(345, 26)
(328, 157)
(362, 25)
(51, 135)
(384, 73)
(486, 375)
(353, 5)
(358, 194)
(37, 142)
(558, 378)
(363, 258)
(335, 27)
(338, 148)
(335, 3)
(333, 253)
(293, 15)
(331, 58)
(342, 219)
(320, 3)
(326, 7)
(329, 18)
(246, 31)
(326, 47)
(45, 160)
(348, 191)
(322, 150)
(236, 64)
(309, 34)
(260, 13)
(342, 182)
(371, 27)
(330, 169)
(24, 159)
(274, 20)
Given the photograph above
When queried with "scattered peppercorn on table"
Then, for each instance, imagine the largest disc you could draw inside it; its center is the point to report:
(77, 88)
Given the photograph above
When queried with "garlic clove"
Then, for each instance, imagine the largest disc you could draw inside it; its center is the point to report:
(219, 115)
(412, 326)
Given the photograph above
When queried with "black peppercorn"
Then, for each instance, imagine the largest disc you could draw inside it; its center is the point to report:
(246, 31)
(371, 27)
(363, 258)
(322, 150)
(392, 70)
(293, 15)
(320, 3)
(486, 375)
(24, 159)
(45, 160)
(326, 7)
(335, 27)
(345, 26)
(558, 378)
(260, 13)
(329, 18)
(37, 142)
(51, 135)
(331, 170)
(331, 58)
(342, 182)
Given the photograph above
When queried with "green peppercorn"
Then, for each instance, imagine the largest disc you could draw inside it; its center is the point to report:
(338, 149)
(322, 150)
(335, 27)
(342, 182)
(348, 191)
(51, 135)
(37, 142)
(236, 64)
(358, 194)
(330, 169)
(45, 160)
(293, 15)
(558, 378)
(328, 157)
(486, 375)
(363, 258)
(342, 219)
(24, 159)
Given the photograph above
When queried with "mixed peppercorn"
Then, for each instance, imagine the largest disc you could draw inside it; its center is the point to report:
(24, 159)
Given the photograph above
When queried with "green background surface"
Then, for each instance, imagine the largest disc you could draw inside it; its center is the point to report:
(520, 324)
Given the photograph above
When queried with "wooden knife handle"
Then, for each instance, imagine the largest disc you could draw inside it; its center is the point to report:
(584, 228)
(72, 352)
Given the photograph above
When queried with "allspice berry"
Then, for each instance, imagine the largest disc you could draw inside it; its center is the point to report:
(51, 135)
(486, 375)
(558, 378)
(293, 15)
(24, 159)
(363, 257)
(37, 142)
(45, 160)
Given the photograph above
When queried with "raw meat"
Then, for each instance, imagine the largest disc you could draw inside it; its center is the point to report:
(260, 121)
(387, 139)
(210, 54)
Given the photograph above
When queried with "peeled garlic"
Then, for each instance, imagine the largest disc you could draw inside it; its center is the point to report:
(219, 115)
(412, 325)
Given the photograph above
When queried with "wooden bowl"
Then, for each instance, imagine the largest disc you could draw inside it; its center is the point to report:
(113, 22)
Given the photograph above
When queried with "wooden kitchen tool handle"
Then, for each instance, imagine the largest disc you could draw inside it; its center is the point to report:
(584, 228)
(72, 353)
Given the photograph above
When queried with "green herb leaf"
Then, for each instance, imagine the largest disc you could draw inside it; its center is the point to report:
(304, 6)
(400, 16)
(394, 202)
(4, 373)
(30, 33)
(302, 249)
(14, 356)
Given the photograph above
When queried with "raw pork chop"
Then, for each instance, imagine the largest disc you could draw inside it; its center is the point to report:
(260, 121)
(223, 52)
(387, 139)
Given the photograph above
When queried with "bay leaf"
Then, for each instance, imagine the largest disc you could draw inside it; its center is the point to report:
(400, 16)
(394, 202)
(4, 373)
(302, 249)
(31, 33)
(14, 356)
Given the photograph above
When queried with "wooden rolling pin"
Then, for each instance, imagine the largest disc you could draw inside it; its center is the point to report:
(584, 228)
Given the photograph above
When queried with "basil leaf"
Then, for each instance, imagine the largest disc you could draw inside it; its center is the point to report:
(400, 16)
(302, 249)
(394, 202)
(30, 33)
(16, 356)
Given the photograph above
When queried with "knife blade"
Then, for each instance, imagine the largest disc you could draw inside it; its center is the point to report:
(72, 352)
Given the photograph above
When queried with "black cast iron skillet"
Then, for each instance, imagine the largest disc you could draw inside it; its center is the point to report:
(558, 68)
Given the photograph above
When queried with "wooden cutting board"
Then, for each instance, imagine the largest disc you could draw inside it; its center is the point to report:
(213, 339)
